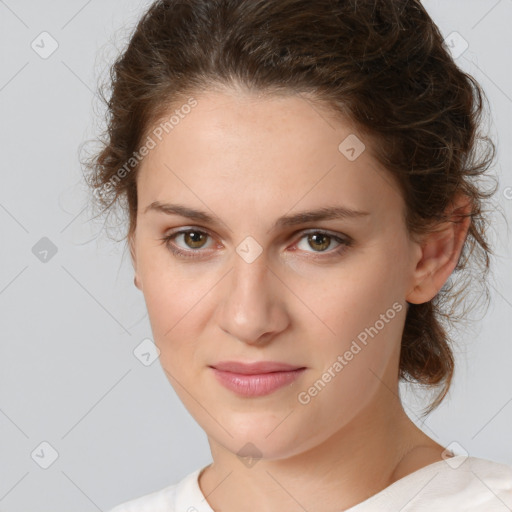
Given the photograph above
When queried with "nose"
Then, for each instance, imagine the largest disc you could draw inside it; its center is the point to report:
(252, 307)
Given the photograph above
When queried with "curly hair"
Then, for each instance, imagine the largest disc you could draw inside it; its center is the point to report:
(381, 64)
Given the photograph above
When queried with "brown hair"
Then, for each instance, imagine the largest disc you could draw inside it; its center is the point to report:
(381, 64)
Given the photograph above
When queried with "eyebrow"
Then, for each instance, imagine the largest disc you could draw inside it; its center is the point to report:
(324, 213)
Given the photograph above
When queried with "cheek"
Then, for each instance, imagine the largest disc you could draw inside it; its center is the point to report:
(178, 301)
(359, 315)
(356, 353)
(354, 296)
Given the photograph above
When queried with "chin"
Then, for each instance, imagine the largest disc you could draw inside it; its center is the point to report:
(262, 437)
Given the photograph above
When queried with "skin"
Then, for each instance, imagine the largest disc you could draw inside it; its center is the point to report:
(249, 159)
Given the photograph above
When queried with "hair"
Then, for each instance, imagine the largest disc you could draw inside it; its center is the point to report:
(382, 65)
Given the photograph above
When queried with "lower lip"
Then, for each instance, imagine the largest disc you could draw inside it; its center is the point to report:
(256, 385)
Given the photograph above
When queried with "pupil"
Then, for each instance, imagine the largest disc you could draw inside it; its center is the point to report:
(194, 238)
(315, 240)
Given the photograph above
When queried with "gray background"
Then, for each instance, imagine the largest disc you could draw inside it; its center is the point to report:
(70, 324)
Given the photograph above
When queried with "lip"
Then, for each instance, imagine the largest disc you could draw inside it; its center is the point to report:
(254, 368)
(255, 379)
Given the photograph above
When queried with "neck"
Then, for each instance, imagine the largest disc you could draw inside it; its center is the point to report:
(378, 447)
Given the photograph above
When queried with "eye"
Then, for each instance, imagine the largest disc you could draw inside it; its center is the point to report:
(320, 241)
(187, 243)
(192, 240)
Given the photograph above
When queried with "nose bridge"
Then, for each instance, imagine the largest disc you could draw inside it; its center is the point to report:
(250, 278)
(250, 306)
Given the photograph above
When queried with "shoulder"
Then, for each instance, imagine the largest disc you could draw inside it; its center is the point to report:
(163, 500)
(479, 473)
(463, 483)
(468, 484)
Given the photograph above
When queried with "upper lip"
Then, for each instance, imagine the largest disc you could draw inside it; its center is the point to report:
(255, 368)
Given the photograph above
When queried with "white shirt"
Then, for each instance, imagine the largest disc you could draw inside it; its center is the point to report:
(457, 484)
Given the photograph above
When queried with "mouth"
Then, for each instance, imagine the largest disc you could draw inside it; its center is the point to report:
(255, 379)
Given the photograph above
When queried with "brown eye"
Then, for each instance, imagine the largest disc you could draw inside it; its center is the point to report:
(188, 243)
(319, 241)
(323, 244)
(194, 239)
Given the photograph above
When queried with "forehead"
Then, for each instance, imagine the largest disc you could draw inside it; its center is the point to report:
(265, 153)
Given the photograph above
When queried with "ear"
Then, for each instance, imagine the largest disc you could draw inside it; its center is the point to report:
(440, 252)
(133, 255)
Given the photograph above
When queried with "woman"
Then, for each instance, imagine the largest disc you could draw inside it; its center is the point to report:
(300, 184)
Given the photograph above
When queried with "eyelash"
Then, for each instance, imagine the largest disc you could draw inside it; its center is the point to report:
(345, 243)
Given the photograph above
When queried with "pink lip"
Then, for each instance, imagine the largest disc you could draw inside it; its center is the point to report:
(254, 368)
(255, 379)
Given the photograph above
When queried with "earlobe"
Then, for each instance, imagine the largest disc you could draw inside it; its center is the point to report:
(440, 253)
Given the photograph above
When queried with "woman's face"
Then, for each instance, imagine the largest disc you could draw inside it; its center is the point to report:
(258, 278)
